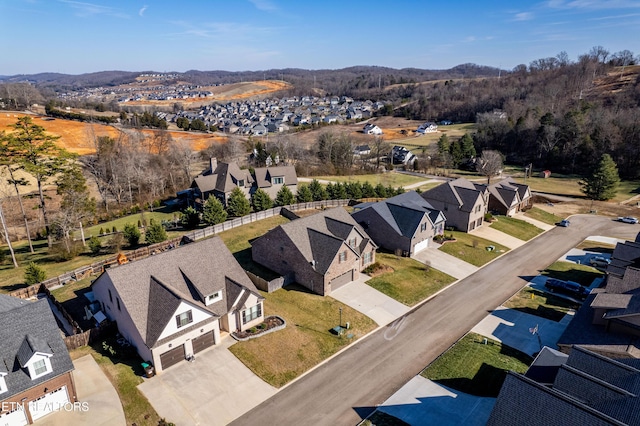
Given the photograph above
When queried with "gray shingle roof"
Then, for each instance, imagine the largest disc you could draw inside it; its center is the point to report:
(460, 192)
(188, 273)
(264, 175)
(30, 345)
(223, 179)
(34, 319)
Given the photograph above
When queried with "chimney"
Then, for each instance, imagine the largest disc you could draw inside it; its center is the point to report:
(213, 163)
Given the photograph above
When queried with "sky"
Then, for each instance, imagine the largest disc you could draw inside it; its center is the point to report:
(75, 37)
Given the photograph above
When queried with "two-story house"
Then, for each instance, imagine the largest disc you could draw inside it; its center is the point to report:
(464, 203)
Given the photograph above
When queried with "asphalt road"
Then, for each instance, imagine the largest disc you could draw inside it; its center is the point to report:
(348, 387)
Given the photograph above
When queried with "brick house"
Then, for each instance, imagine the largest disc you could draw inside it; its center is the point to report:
(272, 179)
(175, 304)
(508, 197)
(404, 223)
(35, 367)
(464, 203)
(321, 252)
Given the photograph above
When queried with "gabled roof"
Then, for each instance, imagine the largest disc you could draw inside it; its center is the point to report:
(185, 274)
(27, 328)
(321, 236)
(404, 212)
(508, 192)
(460, 192)
(223, 179)
(263, 175)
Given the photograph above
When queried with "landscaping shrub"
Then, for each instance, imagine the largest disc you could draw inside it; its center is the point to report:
(155, 233)
(34, 274)
(190, 218)
(115, 243)
(488, 217)
(131, 234)
(95, 245)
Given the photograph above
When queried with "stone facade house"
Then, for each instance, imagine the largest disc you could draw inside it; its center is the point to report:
(321, 252)
(35, 367)
(404, 223)
(174, 304)
(464, 203)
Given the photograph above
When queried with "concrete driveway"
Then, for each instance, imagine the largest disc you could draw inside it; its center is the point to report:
(423, 402)
(213, 390)
(499, 237)
(445, 262)
(513, 327)
(534, 222)
(94, 389)
(366, 299)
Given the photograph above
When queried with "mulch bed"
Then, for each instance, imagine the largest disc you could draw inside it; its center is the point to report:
(266, 325)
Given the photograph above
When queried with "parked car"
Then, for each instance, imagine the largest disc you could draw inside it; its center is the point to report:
(628, 219)
(570, 288)
(599, 261)
(564, 223)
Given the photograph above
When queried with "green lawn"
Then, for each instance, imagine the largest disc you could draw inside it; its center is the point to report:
(453, 132)
(472, 367)
(282, 356)
(626, 190)
(515, 227)
(157, 216)
(596, 246)
(410, 281)
(540, 303)
(237, 239)
(124, 371)
(543, 216)
(472, 249)
(392, 179)
(582, 274)
(555, 184)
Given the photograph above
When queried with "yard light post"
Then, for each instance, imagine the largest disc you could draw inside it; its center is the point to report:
(340, 324)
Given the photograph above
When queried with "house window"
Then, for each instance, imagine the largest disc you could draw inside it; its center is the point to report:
(252, 313)
(352, 242)
(213, 298)
(342, 257)
(110, 297)
(184, 319)
(278, 180)
(241, 182)
(118, 303)
(423, 227)
(39, 367)
(368, 256)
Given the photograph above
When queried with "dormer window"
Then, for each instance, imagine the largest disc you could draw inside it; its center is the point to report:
(212, 298)
(278, 180)
(241, 182)
(40, 367)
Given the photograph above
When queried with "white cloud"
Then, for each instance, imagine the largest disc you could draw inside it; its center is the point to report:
(266, 5)
(593, 4)
(89, 9)
(523, 16)
(144, 8)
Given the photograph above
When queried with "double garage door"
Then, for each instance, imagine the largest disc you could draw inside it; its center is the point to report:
(341, 280)
(53, 401)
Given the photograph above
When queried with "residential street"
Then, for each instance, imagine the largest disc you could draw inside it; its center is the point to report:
(349, 386)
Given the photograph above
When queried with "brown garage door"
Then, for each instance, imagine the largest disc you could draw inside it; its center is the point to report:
(172, 357)
(202, 342)
(341, 280)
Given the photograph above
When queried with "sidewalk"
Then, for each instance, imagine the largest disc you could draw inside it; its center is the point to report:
(445, 262)
(534, 222)
(498, 237)
(366, 299)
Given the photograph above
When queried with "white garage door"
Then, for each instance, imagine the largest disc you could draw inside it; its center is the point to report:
(421, 246)
(14, 418)
(53, 401)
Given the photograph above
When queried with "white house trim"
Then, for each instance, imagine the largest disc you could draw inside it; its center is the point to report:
(197, 315)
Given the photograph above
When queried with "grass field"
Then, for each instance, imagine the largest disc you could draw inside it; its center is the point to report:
(157, 216)
(543, 216)
(410, 281)
(516, 227)
(472, 249)
(582, 274)
(540, 303)
(569, 185)
(394, 180)
(281, 356)
(453, 132)
(472, 367)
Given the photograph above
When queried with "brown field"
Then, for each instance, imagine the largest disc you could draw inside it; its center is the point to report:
(77, 137)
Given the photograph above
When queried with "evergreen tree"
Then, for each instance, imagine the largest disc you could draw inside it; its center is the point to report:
(354, 190)
(213, 212)
(304, 194)
(455, 150)
(95, 245)
(155, 233)
(330, 188)
(381, 191)
(131, 233)
(602, 184)
(34, 274)
(190, 218)
(317, 191)
(368, 191)
(339, 191)
(285, 197)
(237, 204)
(261, 200)
(468, 149)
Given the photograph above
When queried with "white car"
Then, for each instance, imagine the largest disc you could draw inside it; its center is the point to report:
(628, 219)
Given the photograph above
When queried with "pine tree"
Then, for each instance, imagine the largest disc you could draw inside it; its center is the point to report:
(131, 233)
(261, 201)
(304, 194)
(317, 191)
(237, 204)
(602, 184)
(155, 233)
(213, 212)
(285, 197)
(190, 218)
(34, 274)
